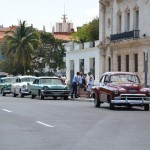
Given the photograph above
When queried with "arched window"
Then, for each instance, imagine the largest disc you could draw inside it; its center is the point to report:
(109, 64)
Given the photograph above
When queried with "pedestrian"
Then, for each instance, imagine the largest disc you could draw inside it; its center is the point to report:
(90, 84)
(75, 83)
(81, 86)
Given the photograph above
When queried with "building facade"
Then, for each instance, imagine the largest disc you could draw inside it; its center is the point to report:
(83, 58)
(124, 36)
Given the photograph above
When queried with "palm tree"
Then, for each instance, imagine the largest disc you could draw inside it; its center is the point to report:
(22, 43)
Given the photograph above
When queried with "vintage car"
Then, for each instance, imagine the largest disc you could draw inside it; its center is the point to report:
(122, 89)
(49, 87)
(20, 87)
(5, 85)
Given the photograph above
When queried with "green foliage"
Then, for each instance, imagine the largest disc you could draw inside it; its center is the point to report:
(27, 49)
(21, 45)
(50, 54)
(88, 32)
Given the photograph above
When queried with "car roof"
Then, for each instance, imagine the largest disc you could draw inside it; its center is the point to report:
(7, 78)
(119, 72)
(26, 77)
(49, 77)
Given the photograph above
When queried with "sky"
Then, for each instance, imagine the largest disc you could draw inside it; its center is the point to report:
(47, 12)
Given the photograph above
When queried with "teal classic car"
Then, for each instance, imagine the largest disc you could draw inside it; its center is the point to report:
(5, 85)
(49, 87)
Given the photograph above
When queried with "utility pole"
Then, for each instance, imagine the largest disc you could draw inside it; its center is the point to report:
(145, 65)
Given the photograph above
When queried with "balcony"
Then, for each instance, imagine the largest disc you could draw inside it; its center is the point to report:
(125, 35)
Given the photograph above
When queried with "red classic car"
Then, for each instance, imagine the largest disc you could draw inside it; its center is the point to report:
(122, 89)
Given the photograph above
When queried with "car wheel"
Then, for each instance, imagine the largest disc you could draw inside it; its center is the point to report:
(55, 97)
(3, 94)
(129, 107)
(15, 94)
(41, 96)
(111, 106)
(33, 96)
(146, 107)
(97, 103)
(21, 94)
(65, 97)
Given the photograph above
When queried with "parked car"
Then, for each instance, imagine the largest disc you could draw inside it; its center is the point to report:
(5, 85)
(122, 89)
(20, 87)
(49, 87)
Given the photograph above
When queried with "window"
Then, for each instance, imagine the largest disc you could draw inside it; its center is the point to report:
(119, 23)
(60, 27)
(136, 62)
(137, 19)
(128, 22)
(109, 64)
(127, 63)
(119, 62)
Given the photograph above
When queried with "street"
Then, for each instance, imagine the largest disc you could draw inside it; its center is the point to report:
(33, 124)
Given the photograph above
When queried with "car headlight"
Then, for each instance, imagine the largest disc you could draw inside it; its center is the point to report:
(24, 86)
(116, 92)
(45, 88)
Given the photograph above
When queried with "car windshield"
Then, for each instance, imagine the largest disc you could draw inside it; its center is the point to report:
(28, 79)
(8, 80)
(124, 78)
(51, 81)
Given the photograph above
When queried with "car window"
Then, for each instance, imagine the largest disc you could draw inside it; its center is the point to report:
(102, 79)
(50, 81)
(106, 80)
(36, 81)
(28, 79)
(8, 80)
(124, 78)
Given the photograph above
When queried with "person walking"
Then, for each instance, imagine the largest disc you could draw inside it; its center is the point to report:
(90, 84)
(75, 83)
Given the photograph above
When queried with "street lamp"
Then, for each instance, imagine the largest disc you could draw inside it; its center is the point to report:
(145, 65)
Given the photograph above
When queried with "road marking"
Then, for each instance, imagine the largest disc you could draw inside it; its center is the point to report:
(44, 124)
(7, 110)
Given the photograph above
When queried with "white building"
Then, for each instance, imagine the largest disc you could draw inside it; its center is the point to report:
(124, 41)
(84, 58)
(125, 35)
(64, 26)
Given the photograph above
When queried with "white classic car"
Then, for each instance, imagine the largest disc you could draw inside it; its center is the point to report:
(20, 87)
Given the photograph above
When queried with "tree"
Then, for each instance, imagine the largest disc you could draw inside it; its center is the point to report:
(50, 54)
(22, 43)
(88, 32)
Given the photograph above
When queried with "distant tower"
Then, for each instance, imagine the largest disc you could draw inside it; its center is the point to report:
(44, 30)
(64, 26)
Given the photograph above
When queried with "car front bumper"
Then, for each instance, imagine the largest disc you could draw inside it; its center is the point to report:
(51, 93)
(132, 99)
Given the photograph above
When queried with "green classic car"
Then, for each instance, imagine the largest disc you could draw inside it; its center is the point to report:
(5, 85)
(49, 87)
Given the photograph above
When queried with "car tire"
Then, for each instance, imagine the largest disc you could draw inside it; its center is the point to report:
(65, 97)
(14, 95)
(55, 97)
(3, 94)
(41, 96)
(97, 103)
(33, 96)
(21, 94)
(146, 107)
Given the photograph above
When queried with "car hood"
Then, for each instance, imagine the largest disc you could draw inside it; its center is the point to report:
(129, 87)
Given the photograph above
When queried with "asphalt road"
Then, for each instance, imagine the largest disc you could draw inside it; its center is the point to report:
(33, 124)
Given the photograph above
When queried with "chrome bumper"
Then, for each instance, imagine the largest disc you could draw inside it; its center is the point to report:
(137, 99)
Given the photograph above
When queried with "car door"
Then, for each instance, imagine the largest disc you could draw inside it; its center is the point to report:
(104, 88)
(34, 87)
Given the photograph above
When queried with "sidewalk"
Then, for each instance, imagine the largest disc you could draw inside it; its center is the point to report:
(82, 99)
